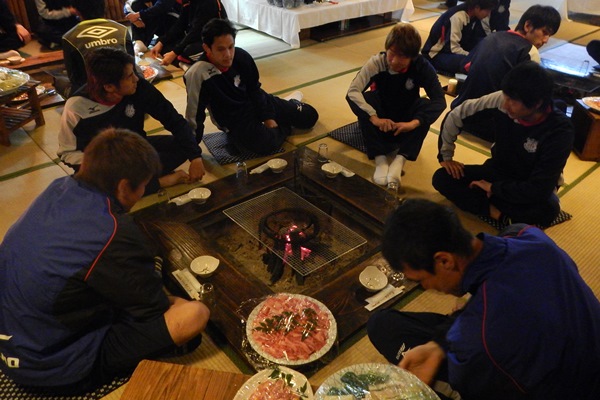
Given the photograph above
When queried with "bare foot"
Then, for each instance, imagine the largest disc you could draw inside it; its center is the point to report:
(176, 177)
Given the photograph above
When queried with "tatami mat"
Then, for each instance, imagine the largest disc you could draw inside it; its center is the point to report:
(578, 236)
(323, 72)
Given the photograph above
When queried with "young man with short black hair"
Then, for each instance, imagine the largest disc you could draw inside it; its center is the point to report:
(534, 140)
(529, 330)
(455, 33)
(226, 81)
(497, 54)
(116, 96)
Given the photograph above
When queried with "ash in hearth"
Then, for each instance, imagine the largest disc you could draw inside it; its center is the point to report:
(247, 252)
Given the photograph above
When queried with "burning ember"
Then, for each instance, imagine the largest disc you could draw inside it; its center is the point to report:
(290, 229)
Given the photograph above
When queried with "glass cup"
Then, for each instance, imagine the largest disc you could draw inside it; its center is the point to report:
(208, 296)
(241, 170)
(391, 195)
(323, 156)
(396, 278)
(162, 196)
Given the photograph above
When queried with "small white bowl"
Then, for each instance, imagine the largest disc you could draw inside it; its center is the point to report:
(204, 266)
(199, 195)
(15, 60)
(277, 165)
(373, 279)
(331, 169)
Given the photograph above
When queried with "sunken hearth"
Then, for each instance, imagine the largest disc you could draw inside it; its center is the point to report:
(289, 243)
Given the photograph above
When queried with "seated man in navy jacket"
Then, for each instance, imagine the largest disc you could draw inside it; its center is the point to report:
(81, 299)
(518, 183)
(225, 80)
(497, 54)
(116, 96)
(529, 330)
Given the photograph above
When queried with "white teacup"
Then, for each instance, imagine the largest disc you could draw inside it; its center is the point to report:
(199, 195)
(277, 165)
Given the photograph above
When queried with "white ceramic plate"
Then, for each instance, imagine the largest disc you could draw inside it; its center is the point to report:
(592, 102)
(386, 381)
(11, 80)
(296, 381)
(253, 322)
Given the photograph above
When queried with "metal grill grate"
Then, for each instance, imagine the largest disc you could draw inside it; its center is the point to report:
(333, 241)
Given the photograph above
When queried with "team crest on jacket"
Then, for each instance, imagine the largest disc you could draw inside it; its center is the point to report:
(409, 84)
(130, 110)
(530, 145)
(237, 80)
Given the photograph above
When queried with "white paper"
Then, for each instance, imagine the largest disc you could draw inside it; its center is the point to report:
(386, 295)
(260, 170)
(181, 200)
(347, 173)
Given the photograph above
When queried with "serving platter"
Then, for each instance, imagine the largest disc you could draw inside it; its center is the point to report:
(274, 383)
(291, 329)
(374, 380)
(11, 80)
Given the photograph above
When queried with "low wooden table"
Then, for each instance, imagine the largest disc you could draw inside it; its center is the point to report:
(172, 228)
(154, 380)
(13, 117)
(587, 132)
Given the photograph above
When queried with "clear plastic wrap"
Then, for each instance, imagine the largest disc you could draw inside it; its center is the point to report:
(374, 381)
(287, 329)
(11, 80)
(149, 72)
(276, 383)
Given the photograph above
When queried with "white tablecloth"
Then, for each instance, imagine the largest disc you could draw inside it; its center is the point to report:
(286, 24)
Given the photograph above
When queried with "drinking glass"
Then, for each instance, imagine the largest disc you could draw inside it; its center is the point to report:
(241, 170)
(208, 296)
(162, 196)
(396, 278)
(323, 157)
(391, 195)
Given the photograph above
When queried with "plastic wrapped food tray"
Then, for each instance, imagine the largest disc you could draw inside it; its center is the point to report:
(11, 80)
(376, 381)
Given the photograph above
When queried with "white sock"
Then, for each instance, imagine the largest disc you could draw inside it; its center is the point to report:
(297, 95)
(381, 170)
(395, 169)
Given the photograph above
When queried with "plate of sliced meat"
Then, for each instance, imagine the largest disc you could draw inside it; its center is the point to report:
(291, 329)
(278, 383)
